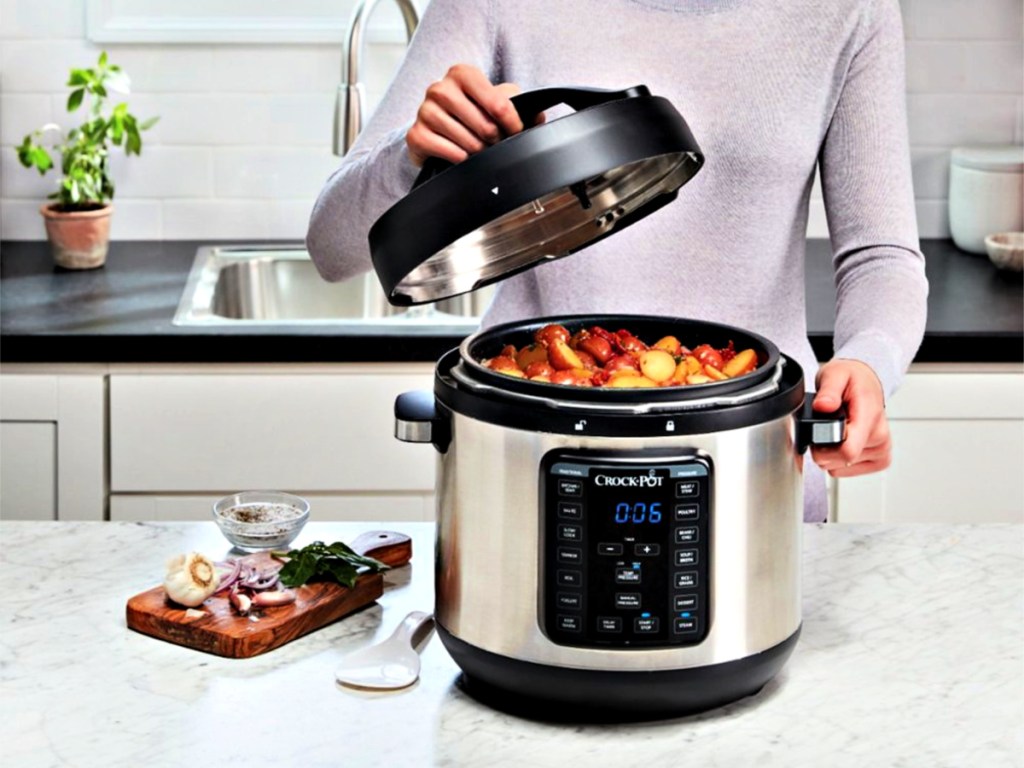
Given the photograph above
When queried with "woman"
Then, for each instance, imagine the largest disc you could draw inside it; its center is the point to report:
(769, 90)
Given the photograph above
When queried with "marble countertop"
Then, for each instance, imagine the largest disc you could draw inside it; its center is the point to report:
(123, 312)
(911, 655)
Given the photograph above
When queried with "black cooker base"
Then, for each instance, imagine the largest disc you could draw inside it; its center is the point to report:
(542, 692)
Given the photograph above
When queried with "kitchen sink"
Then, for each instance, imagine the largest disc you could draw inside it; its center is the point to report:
(279, 285)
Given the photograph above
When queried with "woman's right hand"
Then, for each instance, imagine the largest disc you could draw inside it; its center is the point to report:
(462, 113)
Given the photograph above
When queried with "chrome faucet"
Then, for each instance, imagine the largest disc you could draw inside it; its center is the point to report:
(351, 98)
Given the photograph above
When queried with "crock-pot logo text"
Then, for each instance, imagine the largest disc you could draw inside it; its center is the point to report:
(630, 481)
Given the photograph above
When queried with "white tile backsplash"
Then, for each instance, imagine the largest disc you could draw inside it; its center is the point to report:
(960, 118)
(41, 19)
(243, 142)
(966, 19)
(270, 173)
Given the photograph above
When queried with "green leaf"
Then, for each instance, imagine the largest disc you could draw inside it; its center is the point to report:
(99, 90)
(336, 562)
(148, 124)
(78, 77)
(75, 99)
(103, 59)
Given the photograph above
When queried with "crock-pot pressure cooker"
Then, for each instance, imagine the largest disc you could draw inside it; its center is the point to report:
(601, 553)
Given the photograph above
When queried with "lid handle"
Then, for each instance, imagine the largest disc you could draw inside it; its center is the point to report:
(529, 104)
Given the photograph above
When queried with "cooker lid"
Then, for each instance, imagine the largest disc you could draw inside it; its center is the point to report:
(538, 195)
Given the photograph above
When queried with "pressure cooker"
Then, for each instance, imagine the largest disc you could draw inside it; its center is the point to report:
(601, 553)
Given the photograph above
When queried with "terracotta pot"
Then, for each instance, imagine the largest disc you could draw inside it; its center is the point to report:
(79, 238)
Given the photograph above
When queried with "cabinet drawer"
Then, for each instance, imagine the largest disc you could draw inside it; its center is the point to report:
(211, 432)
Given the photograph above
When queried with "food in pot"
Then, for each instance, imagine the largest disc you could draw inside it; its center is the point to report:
(596, 357)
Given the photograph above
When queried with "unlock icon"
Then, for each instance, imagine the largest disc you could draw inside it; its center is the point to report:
(670, 426)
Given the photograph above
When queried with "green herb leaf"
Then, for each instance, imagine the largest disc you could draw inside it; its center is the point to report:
(75, 99)
(335, 562)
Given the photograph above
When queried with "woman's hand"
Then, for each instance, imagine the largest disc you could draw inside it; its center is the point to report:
(461, 114)
(868, 446)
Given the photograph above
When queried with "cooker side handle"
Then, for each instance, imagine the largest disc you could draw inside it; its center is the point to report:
(819, 428)
(419, 419)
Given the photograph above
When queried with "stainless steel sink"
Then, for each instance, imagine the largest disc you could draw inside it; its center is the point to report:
(279, 285)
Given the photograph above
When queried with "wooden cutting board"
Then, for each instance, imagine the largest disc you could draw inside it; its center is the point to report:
(221, 631)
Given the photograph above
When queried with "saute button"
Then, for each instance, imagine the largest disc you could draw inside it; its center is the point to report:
(686, 557)
(570, 511)
(627, 599)
(687, 534)
(569, 623)
(570, 600)
(609, 624)
(570, 487)
(569, 578)
(627, 575)
(647, 550)
(687, 488)
(612, 548)
(570, 555)
(684, 625)
(684, 602)
(687, 512)
(686, 579)
(570, 533)
(645, 625)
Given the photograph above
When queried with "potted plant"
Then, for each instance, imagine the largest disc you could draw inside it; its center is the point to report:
(78, 222)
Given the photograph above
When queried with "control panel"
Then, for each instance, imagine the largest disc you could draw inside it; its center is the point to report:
(625, 550)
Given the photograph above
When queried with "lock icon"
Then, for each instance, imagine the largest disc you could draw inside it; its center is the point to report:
(670, 426)
(580, 425)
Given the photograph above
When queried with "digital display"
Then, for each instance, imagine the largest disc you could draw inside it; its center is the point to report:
(638, 512)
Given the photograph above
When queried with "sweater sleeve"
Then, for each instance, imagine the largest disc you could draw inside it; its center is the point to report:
(866, 181)
(377, 171)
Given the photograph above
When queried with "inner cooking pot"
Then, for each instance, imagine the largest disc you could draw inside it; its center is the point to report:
(649, 328)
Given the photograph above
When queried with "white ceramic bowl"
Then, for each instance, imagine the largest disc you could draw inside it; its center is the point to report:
(1006, 250)
(258, 520)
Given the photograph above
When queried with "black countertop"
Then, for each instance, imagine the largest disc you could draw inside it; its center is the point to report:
(123, 313)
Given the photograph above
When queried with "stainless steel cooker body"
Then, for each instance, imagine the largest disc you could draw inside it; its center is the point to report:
(617, 555)
(490, 536)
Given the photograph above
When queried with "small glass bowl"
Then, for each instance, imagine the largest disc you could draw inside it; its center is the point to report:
(258, 520)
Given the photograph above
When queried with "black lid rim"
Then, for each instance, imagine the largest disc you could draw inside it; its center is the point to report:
(555, 155)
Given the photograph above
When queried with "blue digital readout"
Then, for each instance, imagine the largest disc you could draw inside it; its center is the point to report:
(638, 512)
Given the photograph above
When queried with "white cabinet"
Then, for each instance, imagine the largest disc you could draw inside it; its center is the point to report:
(180, 438)
(958, 451)
(52, 464)
(28, 470)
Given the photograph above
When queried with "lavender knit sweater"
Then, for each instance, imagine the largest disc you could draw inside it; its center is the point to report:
(770, 89)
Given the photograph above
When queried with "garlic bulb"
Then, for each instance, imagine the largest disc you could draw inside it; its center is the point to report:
(190, 579)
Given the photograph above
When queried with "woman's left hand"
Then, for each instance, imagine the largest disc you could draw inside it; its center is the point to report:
(868, 445)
